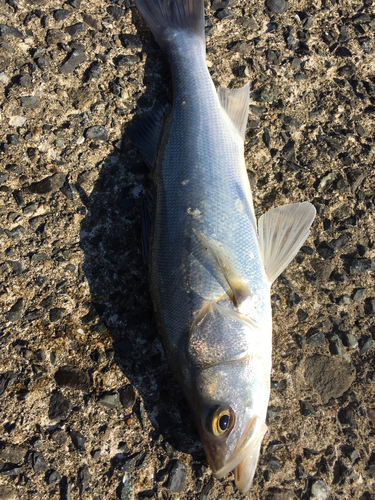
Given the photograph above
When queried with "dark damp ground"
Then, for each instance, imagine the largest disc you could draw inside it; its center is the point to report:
(88, 405)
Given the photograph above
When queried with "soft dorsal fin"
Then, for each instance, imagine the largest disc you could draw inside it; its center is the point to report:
(282, 231)
(145, 130)
(236, 104)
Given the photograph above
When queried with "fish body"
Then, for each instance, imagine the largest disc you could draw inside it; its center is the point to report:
(211, 265)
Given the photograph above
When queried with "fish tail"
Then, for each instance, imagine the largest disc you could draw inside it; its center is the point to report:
(170, 19)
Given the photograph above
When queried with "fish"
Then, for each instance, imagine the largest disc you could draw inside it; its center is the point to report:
(211, 263)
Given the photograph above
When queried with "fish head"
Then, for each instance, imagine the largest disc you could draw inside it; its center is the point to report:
(230, 412)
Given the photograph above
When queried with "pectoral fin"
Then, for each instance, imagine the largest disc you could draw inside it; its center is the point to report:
(282, 231)
(223, 269)
(236, 104)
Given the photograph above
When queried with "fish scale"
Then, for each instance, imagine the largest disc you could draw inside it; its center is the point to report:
(211, 269)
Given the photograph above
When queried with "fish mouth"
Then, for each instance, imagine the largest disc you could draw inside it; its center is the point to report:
(245, 458)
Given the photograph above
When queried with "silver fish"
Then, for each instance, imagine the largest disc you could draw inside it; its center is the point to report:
(211, 264)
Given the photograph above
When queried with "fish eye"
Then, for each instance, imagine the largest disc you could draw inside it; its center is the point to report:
(221, 420)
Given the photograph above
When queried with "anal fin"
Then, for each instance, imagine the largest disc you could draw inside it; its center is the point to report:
(236, 104)
(282, 231)
(145, 130)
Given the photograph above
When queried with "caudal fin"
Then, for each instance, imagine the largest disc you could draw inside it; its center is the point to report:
(169, 18)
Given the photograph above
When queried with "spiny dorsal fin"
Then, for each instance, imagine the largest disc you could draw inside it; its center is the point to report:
(282, 231)
(145, 130)
(236, 104)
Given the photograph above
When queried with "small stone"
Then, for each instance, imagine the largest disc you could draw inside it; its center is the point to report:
(65, 486)
(59, 407)
(4, 79)
(330, 376)
(369, 306)
(131, 41)
(39, 464)
(127, 61)
(269, 93)
(109, 400)
(225, 14)
(78, 440)
(15, 312)
(319, 490)
(96, 133)
(75, 59)
(360, 265)
(91, 21)
(127, 397)
(306, 409)
(277, 6)
(48, 184)
(326, 250)
(29, 102)
(10, 31)
(274, 464)
(274, 446)
(59, 437)
(83, 479)
(177, 477)
(335, 345)
(52, 476)
(3, 177)
(56, 314)
(68, 376)
(17, 121)
(349, 340)
(366, 346)
(54, 37)
(7, 379)
(94, 71)
(115, 12)
(75, 29)
(13, 139)
(61, 14)
(274, 56)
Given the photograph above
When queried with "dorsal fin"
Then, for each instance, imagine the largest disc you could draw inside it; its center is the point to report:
(145, 130)
(236, 104)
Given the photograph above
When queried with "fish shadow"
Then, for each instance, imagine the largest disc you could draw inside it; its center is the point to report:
(121, 306)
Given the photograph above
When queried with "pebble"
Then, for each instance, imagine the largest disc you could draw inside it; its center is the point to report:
(94, 71)
(274, 464)
(52, 476)
(109, 400)
(177, 477)
(59, 437)
(74, 60)
(366, 345)
(306, 409)
(15, 312)
(326, 250)
(4, 79)
(127, 396)
(319, 490)
(6, 30)
(61, 14)
(115, 12)
(78, 440)
(59, 407)
(335, 345)
(75, 29)
(96, 133)
(56, 314)
(29, 102)
(225, 14)
(69, 376)
(48, 184)
(83, 478)
(278, 6)
(330, 376)
(269, 93)
(127, 61)
(39, 464)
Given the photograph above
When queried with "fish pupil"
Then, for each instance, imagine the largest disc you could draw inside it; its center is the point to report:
(224, 422)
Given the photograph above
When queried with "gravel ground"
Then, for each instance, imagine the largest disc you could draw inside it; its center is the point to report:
(88, 406)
